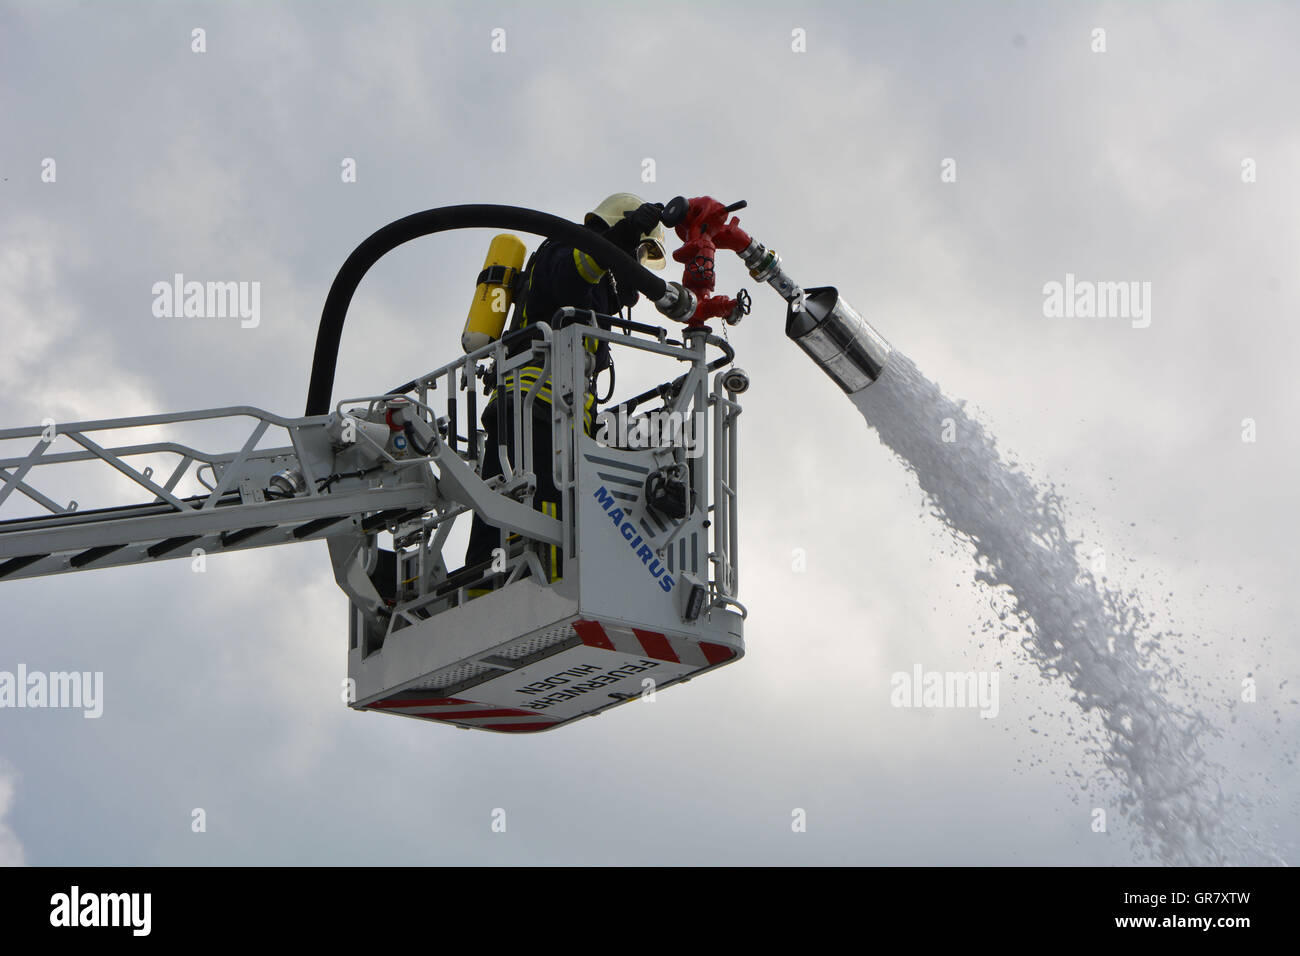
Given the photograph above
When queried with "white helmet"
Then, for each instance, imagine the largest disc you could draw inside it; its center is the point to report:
(651, 252)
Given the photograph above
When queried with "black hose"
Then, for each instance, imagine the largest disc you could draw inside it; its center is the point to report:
(609, 394)
(409, 431)
(379, 243)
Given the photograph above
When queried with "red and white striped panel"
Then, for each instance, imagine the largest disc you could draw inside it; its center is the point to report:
(568, 684)
(468, 712)
(660, 647)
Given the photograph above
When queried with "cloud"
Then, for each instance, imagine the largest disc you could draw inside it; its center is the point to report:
(11, 849)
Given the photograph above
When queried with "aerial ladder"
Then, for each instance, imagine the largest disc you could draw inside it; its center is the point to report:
(647, 535)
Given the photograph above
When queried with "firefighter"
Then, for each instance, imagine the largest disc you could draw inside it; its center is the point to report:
(556, 276)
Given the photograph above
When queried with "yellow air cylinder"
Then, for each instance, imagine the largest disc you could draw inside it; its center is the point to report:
(494, 293)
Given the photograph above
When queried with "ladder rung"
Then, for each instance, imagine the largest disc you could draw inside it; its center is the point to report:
(170, 544)
(94, 554)
(391, 516)
(17, 564)
(311, 527)
(234, 537)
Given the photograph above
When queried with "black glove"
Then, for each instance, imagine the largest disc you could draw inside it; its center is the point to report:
(646, 216)
(627, 232)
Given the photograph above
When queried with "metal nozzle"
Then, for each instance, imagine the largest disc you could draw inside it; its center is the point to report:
(839, 340)
(765, 266)
(678, 302)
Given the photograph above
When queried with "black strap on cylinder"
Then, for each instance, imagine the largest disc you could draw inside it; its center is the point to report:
(496, 275)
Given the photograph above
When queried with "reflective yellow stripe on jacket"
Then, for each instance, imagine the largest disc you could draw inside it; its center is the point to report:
(587, 267)
(529, 374)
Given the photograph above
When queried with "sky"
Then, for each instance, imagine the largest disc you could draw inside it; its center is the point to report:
(1161, 150)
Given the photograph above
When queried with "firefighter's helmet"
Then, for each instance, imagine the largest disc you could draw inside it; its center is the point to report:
(650, 252)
